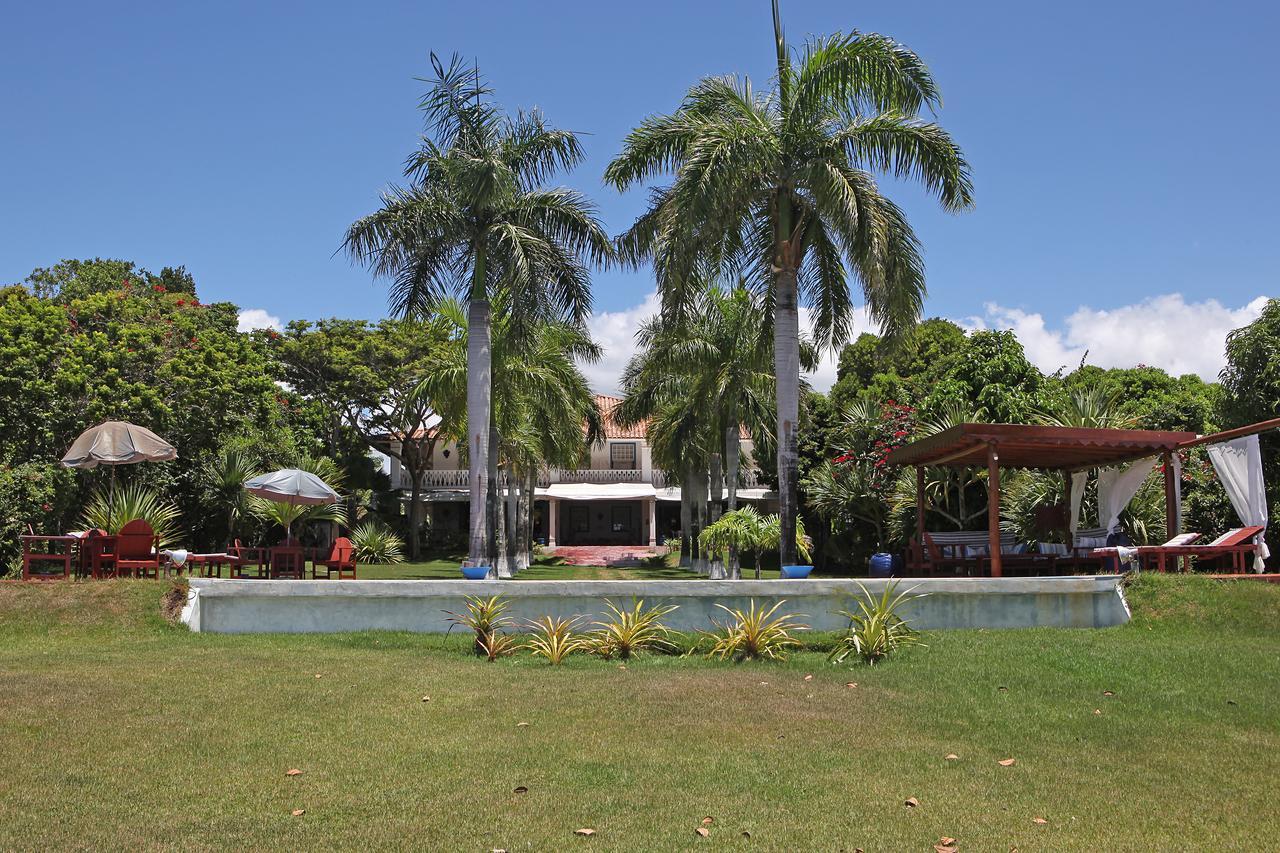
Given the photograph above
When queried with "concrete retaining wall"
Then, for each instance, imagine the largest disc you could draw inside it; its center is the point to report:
(325, 606)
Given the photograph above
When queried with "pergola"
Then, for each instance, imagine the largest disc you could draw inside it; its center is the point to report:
(1051, 448)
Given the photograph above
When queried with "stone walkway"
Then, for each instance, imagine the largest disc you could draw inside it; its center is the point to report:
(603, 555)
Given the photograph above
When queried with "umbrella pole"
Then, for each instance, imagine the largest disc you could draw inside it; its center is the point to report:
(111, 503)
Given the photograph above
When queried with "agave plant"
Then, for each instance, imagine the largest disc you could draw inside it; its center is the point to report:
(375, 542)
(876, 629)
(130, 502)
(484, 617)
(631, 631)
(555, 639)
(755, 633)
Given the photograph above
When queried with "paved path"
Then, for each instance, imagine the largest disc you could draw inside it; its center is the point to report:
(603, 555)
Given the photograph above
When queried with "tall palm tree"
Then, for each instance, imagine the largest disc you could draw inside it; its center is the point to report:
(780, 185)
(477, 218)
(545, 414)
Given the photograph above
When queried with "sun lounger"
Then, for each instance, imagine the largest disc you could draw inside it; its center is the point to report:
(1234, 545)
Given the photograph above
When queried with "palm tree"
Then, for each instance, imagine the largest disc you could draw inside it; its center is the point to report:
(546, 415)
(476, 218)
(780, 186)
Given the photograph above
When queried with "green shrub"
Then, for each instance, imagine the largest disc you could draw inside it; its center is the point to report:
(876, 629)
(375, 542)
(484, 617)
(755, 633)
(555, 639)
(34, 493)
(111, 512)
(631, 631)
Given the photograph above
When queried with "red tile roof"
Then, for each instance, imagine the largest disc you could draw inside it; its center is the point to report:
(612, 429)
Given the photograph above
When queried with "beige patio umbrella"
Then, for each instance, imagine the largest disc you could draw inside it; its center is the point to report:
(117, 443)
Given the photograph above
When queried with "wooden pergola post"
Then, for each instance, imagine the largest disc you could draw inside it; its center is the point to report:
(920, 507)
(1170, 498)
(993, 510)
(1066, 506)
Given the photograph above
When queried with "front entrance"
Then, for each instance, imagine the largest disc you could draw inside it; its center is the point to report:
(601, 523)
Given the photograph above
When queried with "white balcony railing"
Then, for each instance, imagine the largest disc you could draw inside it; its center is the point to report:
(458, 479)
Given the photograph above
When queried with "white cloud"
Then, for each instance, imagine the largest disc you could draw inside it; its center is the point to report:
(615, 332)
(1163, 331)
(257, 318)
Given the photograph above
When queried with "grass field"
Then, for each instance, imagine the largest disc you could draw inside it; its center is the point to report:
(123, 731)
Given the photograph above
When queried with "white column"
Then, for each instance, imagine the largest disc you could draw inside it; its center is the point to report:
(552, 504)
(653, 522)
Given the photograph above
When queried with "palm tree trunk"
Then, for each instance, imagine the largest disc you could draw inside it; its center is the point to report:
(511, 521)
(717, 486)
(786, 361)
(701, 479)
(686, 521)
(479, 389)
(732, 449)
(494, 498)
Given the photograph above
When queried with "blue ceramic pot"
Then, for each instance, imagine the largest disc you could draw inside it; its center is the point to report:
(795, 572)
(884, 565)
(475, 573)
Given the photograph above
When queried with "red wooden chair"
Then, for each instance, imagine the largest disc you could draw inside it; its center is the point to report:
(99, 553)
(138, 550)
(341, 559)
(1232, 547)
(243, 557)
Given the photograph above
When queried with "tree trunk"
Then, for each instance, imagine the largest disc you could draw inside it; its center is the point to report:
(700, 479)
(732, 451)
(495, 500)
(524, 514)
(686, 522)
(511, 521)
(717, 487)
(786, 362)
(479, 388)
(415, 514)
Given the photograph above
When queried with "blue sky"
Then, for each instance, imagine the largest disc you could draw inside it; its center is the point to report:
(1121, 151)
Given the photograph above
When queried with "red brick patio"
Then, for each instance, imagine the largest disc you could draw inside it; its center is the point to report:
(603, 555)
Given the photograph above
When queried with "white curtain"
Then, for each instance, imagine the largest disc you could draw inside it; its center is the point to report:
(1116, 487)
(1239, 467)
(1078, 479)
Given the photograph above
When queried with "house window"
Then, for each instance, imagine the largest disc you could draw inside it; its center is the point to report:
(622, 456)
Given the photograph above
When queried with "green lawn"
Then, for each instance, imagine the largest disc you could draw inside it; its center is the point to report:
(122, 731)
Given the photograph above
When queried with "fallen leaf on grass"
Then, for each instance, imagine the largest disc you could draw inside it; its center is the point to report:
(945, 848)
(1007, 762)
(746, 833)
(951, 756)
(708, 820)
(584, 831)
(426, 698)
(318, 675)
(519, 789)
(1039, 820)
(298, 812)
(1097, 712)
(1108, 693)
(808, 678)
(521, 724)
(1003, 689)
(946, 839)
(622, 666)
(851, 684)
(293, 771)
(703, 832)
(911, 802)
(764, 684)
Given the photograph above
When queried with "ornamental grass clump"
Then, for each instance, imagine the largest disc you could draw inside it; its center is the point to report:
(633, 630)
(485, 618)
(555, 639)
(876, 629)
(755, 633)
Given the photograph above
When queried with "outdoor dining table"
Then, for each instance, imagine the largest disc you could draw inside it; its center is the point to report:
(288, 561)
(46, 549)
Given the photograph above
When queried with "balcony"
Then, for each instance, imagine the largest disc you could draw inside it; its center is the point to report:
(458, 479)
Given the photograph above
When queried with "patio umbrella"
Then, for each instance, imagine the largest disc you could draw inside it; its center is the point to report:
(291, 486)
(117, 443)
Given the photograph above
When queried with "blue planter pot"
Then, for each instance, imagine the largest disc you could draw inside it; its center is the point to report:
(795, 572)
(884, 565)
(475, 573)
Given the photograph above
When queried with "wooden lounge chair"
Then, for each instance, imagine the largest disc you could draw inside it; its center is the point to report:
(341, 559)
(1233, 546)
(138, 550)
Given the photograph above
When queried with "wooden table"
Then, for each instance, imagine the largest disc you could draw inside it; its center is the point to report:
(209, 565)
(56, 549)
(288, 561)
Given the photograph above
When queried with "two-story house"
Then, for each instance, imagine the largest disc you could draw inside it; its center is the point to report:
(619, 499)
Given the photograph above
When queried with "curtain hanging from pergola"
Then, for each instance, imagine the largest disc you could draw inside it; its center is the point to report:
(1116, 488)
(1239, 467)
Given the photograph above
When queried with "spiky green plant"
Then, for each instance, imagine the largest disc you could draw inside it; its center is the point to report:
(135, 500)
(484, 617)
(498, 645)
(755, 633)
(633, 630)
(555, 639)
(375, 542)
(876, 629)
